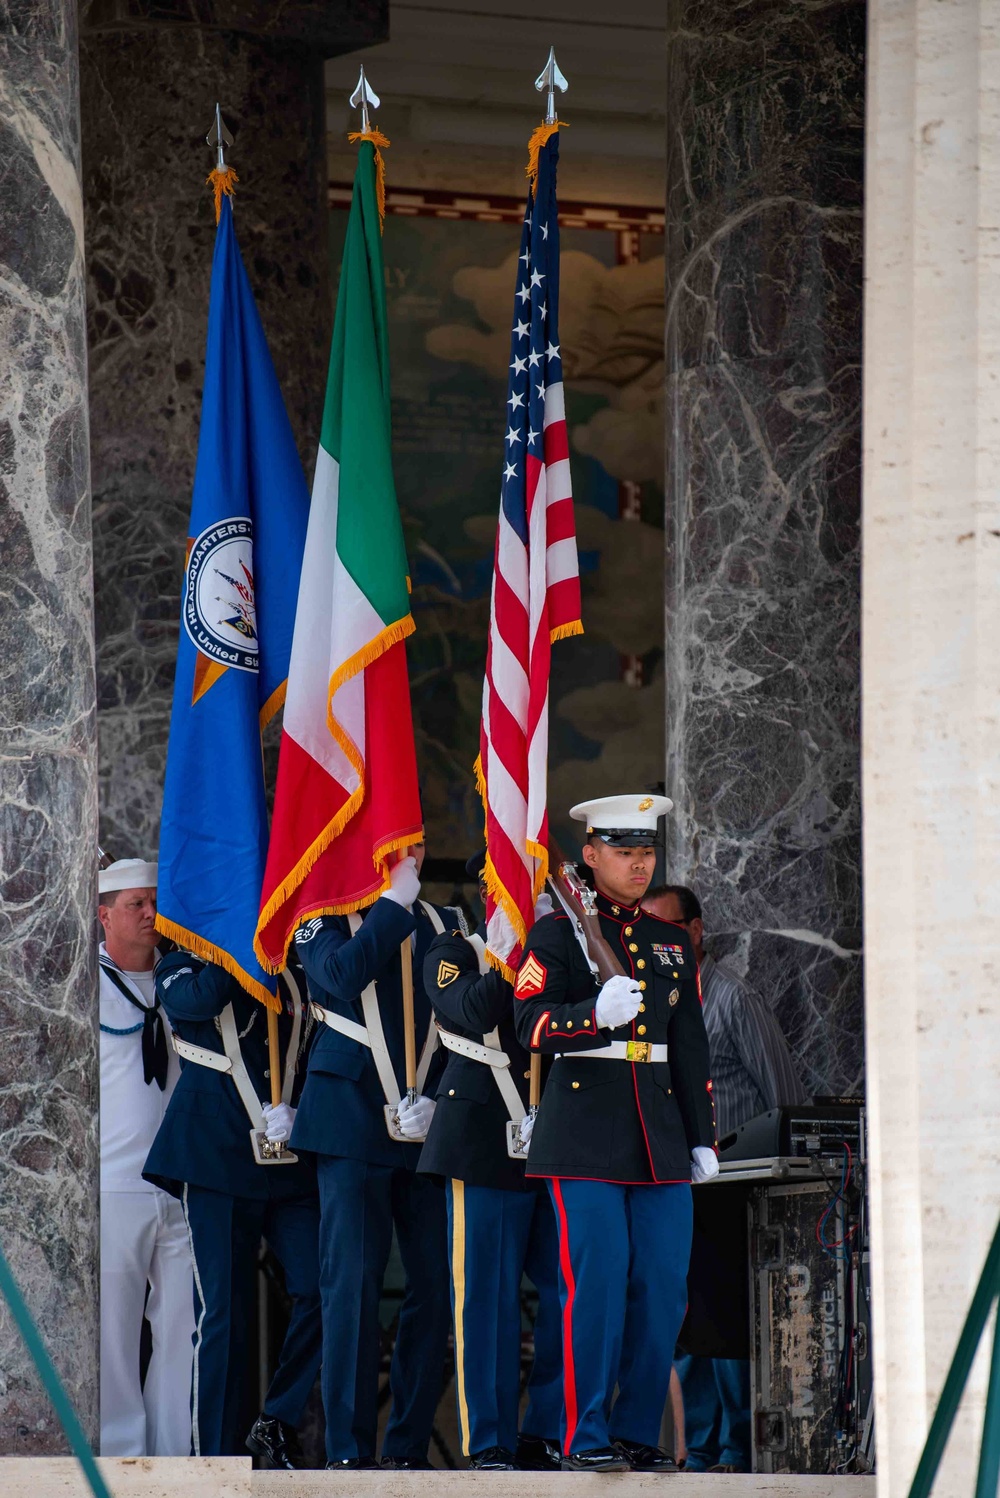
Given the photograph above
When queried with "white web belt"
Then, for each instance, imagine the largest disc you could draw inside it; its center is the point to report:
(233, 1064)
(490, 1052)
(371, 1033)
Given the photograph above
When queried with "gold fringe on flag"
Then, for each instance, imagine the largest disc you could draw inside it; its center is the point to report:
(223, 181)
(378, 140)
(539, 136)
(209, 952)
(369, 653)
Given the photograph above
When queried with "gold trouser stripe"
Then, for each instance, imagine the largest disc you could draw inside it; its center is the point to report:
(458, 1283)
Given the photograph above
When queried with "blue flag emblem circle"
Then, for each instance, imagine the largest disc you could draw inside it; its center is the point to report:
(219, 609)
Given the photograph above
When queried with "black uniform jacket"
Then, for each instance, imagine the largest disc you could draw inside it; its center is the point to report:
(204, 1139)
(467, 1140)
(609, 1120)
(342, 1108)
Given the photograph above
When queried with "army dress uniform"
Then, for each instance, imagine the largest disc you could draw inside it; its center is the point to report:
(500, 1226)
(368, 1182)
(613, 1138)
(203, 1155)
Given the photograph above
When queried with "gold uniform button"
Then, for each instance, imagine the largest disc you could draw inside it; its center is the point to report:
(642, 1009)
(632, 947)
(641, 962)
(675, 975)
(576, 1084)
(569, 1024)
(555, 1024)
(451, 1092)
(615, 910)
(642, 984)
(628, 930)
(527, 1076)
(586, 1024)
(641, 1030)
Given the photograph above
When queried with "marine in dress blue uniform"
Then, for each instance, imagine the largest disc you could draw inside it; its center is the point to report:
(626, 1118)
(368, 1182)
(500, 1226)
(203, 1155)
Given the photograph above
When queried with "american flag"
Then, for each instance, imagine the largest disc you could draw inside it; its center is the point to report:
(536, 585)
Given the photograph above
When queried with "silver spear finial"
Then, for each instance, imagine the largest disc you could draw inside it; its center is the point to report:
(364, 95)
(219, 137)
(551, 78)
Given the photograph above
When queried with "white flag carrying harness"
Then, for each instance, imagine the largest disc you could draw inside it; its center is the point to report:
(490, 1052)
(233, 1064)
(371, 1033)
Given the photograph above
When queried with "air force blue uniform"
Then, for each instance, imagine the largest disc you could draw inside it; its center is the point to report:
(367, 1185)
(613, 1139)
(500, 1226)
(202, 1154)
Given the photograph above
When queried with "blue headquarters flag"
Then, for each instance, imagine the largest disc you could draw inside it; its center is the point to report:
(241, 578)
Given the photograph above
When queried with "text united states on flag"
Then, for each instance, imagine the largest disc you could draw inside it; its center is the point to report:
(536, 585)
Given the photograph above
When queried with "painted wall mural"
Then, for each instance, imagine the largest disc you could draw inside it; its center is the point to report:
(450, 276)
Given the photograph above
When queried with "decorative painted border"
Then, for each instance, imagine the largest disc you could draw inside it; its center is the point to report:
(490, 209)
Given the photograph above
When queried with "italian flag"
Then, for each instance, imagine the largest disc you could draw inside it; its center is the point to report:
(346, 795)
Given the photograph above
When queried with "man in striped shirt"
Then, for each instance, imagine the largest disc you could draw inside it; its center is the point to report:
(752, 1072)
(752, 1069)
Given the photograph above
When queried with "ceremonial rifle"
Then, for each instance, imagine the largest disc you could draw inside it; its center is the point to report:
(579, 902)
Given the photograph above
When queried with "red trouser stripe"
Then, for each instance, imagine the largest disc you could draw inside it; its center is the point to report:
(569, 1369)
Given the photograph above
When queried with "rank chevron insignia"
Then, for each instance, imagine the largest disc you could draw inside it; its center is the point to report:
(531, 977)
(447, 973)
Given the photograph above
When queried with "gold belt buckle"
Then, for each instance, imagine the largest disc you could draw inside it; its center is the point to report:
(637, 1050)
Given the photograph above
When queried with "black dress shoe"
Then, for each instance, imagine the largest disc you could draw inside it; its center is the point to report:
(536, 1454)
(493, 1459)
(275, 1444)
(597, 1459)
(646, 1458)
(405, 1464)
(352, 1464)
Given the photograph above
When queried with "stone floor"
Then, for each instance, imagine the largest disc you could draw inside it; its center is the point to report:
(231, 1477)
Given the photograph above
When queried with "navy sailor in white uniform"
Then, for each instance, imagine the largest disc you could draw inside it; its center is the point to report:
(144, 1243)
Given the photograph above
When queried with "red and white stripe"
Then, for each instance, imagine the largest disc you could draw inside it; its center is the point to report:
(535, 599)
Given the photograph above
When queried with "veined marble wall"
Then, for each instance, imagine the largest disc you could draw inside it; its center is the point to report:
(764, 138)
(48, 792)
(150, 78)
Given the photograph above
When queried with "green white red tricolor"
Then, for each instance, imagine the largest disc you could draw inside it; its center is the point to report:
(346, 795)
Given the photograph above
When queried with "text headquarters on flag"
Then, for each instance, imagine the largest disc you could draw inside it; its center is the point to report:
(536, 581)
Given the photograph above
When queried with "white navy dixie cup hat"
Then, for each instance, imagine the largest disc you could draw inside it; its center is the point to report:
(623, 821)
(127, 873)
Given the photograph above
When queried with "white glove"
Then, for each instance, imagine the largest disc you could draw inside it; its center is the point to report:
(704, 1164)
(618, 1002)
(524, 1130)
(278, 1120)
(543, 905)
(404, 882)
(415, 1118)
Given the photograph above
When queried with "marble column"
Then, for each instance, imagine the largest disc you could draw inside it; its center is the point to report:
(931, 704)
(48, 786)
(151, 73)
(764, 187)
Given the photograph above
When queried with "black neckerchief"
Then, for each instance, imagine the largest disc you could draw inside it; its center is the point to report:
(154, 1039)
